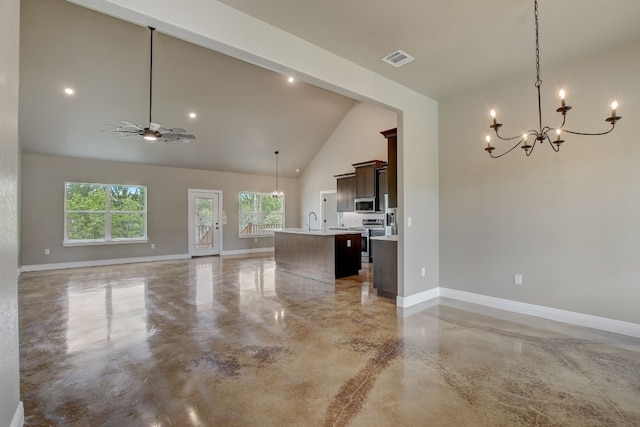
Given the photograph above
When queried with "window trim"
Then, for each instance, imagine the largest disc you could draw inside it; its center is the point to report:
(108, 240)
(262, 235)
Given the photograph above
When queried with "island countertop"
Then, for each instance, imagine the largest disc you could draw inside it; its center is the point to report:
(389, 238)
(316, 232)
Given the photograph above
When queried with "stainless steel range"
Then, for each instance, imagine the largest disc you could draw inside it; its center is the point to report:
(370, 227)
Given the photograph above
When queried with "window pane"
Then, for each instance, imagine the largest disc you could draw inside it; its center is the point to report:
(85, 226)
(127, 198)
(271, 203)
(86, 197)
(273, 221)
(127, 225)
(204, 221)
(249, 202)
(249, 223)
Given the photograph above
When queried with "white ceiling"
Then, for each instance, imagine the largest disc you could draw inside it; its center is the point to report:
(457, 44)
(245, 112)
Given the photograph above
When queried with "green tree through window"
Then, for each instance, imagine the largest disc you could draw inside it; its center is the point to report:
(105, 212)
(260, 213)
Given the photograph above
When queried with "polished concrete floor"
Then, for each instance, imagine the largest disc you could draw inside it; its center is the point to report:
(234, 342)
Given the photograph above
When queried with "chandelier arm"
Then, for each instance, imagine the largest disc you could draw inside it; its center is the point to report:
(589, 134)
(556, 149)
(508, 151)
(564, 120)
(508, 138)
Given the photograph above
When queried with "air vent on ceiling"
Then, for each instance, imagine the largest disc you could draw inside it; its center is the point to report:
(398, 58)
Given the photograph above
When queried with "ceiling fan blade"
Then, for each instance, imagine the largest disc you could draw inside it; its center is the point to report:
(177, 130)
(154, 126)
(132, 125)
(169, 136)
(130, 136)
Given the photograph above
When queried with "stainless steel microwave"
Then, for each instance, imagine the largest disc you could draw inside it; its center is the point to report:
(365, 205)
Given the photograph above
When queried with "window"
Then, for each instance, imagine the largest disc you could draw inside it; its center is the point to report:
(104, 213)
(260, 214)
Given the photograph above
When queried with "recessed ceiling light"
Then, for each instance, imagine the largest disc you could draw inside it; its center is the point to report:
(291, 79)
(193, 115)
(69, 91)
(297, 170)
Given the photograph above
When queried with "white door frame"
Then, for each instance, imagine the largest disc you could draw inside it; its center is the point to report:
(191, 221)
(322, 193)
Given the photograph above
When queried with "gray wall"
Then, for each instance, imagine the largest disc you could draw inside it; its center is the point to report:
(9, 356)
(568, 222)
(43, 179)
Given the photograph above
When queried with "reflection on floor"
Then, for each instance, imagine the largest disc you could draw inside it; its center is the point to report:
(233, 342)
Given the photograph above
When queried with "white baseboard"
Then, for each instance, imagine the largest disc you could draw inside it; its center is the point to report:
(579, 319)
(248, 251)
(100, 262)
(414, 299)
(18, 416)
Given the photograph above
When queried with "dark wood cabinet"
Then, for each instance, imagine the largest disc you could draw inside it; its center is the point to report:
(385, 267)
(382, 188)
(367, 178)
(392, 166)
(365, 181)
(346, 192)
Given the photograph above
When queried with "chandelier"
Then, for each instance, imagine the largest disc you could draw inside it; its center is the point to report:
(277, 192)
(529, 139)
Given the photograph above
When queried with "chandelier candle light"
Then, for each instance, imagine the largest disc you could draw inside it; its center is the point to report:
(542, 135)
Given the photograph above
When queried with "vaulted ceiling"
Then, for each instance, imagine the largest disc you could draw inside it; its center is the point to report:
(246, 112)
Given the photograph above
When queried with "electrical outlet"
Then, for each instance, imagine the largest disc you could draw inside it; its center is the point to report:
(423, 272)
(153, 246)
(409, 222)
(47, 251)
(517, 279)
(348, 243)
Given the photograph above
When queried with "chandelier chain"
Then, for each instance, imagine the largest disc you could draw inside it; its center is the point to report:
(538, 81)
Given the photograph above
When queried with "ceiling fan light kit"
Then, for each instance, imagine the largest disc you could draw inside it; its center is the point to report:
(154, 131)
(541, 135)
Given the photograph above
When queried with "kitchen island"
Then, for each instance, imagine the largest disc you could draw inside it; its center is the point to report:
(317, 254)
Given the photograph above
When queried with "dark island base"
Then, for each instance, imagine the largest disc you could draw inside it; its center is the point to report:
(319, 256)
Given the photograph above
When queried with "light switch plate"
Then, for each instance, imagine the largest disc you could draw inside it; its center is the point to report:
(517, 279)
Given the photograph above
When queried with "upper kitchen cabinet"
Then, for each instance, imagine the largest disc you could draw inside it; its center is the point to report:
(346, 192)
(367, 179)
(392, 167)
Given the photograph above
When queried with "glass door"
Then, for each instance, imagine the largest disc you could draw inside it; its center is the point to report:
(204, 222)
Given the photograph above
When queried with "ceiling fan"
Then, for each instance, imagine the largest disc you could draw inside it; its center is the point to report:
(154, 131)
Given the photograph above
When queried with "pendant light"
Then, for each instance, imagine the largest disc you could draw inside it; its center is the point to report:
(277, 192)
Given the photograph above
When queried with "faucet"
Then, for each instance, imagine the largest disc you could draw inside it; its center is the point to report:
(309, 224)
